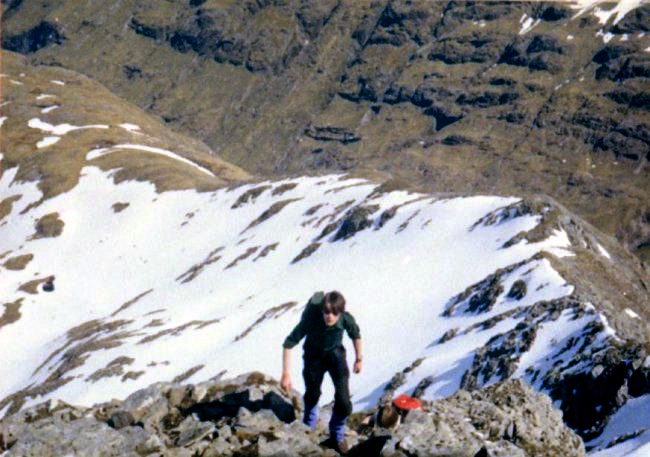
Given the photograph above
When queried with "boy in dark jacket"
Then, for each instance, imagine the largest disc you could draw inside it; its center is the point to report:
(322, 323)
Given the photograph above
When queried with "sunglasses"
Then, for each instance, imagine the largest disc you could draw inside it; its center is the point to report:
(330, 311)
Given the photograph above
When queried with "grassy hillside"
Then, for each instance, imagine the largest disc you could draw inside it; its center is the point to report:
(54, 117)
(509, 98)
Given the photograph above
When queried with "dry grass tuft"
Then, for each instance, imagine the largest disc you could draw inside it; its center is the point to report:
(188, 374)
(18, 262)
(131, 302)
(11, 313)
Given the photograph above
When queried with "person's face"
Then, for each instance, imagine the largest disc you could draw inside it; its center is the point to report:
(329, 316)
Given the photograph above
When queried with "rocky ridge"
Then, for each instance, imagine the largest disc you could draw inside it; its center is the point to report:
(250, 416)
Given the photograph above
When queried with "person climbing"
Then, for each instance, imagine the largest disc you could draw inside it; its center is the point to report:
(48, 286)
(322, 323)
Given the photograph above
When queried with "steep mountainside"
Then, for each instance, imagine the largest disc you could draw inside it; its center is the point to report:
(169, 269)
(499, 97)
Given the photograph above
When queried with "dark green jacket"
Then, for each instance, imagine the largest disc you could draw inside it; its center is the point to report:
(320, 337)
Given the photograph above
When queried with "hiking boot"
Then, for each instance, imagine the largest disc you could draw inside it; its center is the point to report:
(310, 418)
(339, 446)
(337, 427)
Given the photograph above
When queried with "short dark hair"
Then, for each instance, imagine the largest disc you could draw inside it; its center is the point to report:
(334, 301)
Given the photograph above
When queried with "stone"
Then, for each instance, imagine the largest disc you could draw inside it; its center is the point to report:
(518, 290)
(505, 419)
(140, 402)
(178, 396)
(152, 445)
(190, 431)
(120, 420)
(49, 438)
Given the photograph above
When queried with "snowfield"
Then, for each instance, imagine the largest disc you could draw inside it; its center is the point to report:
(205, 273)
(186, 285)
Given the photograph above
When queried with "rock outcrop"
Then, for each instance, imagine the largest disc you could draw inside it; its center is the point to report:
(251, 416)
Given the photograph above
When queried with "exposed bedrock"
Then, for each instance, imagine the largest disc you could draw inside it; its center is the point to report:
(249, 415)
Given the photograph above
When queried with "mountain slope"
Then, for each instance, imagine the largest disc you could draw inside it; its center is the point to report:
(162, 283)
(51, 118)
(496, 97)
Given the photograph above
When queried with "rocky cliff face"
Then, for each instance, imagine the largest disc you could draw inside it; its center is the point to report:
(251, 416)
(498, 97)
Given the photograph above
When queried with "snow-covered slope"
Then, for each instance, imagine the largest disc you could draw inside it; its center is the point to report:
(184, 285)
(153, 287)
(228, 289)
(631, 424)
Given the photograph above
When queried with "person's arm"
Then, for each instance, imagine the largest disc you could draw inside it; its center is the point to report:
(358, 361)
(354, 333)
(285, 381)
(293, 339)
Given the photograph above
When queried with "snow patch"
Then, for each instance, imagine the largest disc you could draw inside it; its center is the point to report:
(2, 120)
(44, 96)
(603, 251)
(633, 416)
(57, 82)
(527, 24)
(130, 127)
(129, 259)
(95, 153)
(606, 36)
(60, 129)
(632, 314)
(3, 411)
(48, 141)
(559, 244)
(49, 108)
(427, 250)
(607, 329)
(550, 338)
(620, 9)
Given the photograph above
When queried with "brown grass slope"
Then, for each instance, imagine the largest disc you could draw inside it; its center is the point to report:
(439, 96)
(27, 90)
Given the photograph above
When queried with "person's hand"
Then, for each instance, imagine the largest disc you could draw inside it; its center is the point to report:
(358, 365)
(285, 382)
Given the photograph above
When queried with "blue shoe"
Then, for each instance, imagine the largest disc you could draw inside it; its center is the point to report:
(310, 419)
(337, 428)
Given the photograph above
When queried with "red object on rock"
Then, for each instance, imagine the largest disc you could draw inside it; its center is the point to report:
(406, 403)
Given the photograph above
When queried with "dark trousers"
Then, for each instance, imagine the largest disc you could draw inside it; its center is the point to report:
(314, 369)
